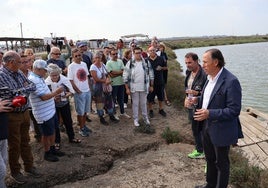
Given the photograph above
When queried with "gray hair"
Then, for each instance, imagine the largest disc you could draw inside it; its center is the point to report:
(53, 68)
(98, 54)
(10, 56)
(54, 48)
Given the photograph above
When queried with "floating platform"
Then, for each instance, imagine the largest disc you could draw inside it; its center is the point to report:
(255, 142)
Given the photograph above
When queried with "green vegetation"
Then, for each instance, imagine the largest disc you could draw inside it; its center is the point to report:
(143, 128)
(245, 175)
(175, 84)
(171, 136)
(214, 41)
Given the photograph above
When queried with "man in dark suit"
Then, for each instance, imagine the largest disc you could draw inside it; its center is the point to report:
(220, 105)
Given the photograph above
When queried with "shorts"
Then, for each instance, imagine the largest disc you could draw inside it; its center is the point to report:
(47, 128)
(82, 102)
(158, 91)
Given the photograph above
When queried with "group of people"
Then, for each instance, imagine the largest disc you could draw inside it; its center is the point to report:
(213, 100)
(45, 87)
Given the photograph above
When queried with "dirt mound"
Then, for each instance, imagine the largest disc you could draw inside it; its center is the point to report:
(118, 156)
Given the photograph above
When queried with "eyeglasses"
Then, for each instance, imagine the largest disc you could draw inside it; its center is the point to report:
(77, 56)
(24, 62)
(56, 53)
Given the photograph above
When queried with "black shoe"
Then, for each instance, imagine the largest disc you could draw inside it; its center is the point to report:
(151, 113)
(103, 121)
(19, 178)
(57, 153)
(50, 157)
(114, 119)
(33, 172)
(163, 113)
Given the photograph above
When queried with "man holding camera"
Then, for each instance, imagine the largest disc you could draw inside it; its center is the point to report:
(18, 120)
(58, 43)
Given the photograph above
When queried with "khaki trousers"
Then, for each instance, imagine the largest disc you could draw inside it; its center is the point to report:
(18, 141)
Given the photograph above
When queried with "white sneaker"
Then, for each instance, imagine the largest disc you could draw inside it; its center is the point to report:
(146, 121)
(125, 115)
(136, 123)
(116, 117)
(125, 105)
(116, 105)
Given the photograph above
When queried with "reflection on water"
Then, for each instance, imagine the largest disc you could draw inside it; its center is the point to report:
(249, 62)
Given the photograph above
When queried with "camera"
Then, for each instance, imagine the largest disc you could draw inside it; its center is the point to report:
(59, 38)
(6, 93)
(59, 42)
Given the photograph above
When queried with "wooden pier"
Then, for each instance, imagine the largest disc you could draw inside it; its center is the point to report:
(255, 142)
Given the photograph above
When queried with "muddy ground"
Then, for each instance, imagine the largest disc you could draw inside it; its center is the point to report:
(118, 156)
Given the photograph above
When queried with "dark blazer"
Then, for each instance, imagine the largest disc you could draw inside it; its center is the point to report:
(224, 108)
(199, 80)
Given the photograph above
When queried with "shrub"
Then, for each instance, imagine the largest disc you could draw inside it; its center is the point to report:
(143, 128)
(43, 56)
(171, 136)
(175, 83)
(244, 175)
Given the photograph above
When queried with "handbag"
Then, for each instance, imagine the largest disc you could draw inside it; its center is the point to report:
(107, 88)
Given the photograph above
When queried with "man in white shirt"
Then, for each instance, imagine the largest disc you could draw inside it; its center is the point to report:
(220, 105)
(78, 75)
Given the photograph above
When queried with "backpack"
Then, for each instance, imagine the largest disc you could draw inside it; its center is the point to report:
(146, 61)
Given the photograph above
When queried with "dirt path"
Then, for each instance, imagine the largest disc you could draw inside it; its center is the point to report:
(117, 156)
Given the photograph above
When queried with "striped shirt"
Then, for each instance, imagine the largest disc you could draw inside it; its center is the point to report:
(42, 110)
(18, 84)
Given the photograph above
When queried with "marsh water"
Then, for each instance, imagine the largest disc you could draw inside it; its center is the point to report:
(249, 62)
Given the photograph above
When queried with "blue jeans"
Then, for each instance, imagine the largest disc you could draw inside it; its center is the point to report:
(118, 95)
(3, 162)
(82, 102)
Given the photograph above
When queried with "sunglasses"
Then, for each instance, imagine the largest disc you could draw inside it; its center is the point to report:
(77, 56)
(56, 53)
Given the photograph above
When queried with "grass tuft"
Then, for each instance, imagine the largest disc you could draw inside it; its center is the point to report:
(171, 136)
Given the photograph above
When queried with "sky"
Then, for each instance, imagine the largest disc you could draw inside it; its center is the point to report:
(96, 19)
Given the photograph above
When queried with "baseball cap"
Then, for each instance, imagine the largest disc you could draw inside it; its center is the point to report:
(40, 64)
(81, 44)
